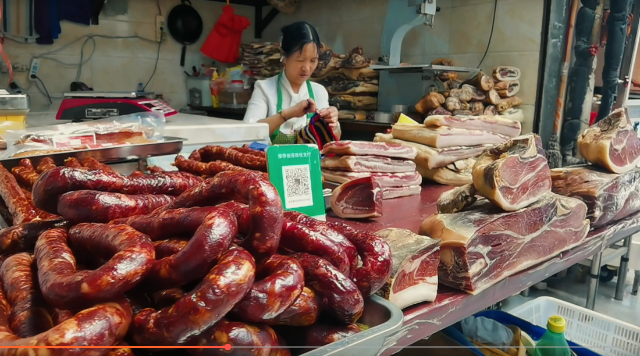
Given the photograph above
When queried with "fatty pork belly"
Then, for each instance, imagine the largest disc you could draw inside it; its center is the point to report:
(443, 137)
(368, 164)
(414, 276)
(514, 174)
(609, 197)
(494, 124)
(611, 143)
(483, 244)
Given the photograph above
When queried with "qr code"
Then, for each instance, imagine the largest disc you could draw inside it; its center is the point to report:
(297, 186)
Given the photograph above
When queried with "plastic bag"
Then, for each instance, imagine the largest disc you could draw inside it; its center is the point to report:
(138, 128)
(487, 331)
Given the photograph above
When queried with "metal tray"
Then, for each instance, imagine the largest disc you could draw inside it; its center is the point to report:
(170, 146)
(383, 317)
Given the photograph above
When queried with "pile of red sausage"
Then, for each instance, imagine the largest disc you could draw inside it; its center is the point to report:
(168, 259)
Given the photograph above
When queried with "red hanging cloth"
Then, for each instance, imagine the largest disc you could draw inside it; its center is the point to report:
(223, 43)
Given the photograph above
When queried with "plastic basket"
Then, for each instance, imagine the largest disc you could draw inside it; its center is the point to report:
(597, 332)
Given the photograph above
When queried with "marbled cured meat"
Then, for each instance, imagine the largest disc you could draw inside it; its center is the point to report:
(443, 137)
(430, 157)
(359, 198)
(368, 164)
(386, 180)
(609, 197)
(457, 199)
(513, 175)
(506, 73)
(454, 174)
(611, 143)
(495, 124)
(362, 148)
(414, 277)
(398, 192)
(483, 245)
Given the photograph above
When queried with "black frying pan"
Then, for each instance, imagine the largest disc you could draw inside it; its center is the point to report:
(185, 26)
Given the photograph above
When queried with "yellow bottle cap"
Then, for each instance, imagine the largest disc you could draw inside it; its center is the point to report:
(556, 324)
(404, 119)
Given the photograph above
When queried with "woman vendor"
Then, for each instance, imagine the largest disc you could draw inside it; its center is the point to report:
(287, 101)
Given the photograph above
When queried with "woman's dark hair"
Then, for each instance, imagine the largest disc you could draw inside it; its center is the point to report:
(296, 36)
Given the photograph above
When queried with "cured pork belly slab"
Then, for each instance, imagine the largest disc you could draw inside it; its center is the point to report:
(443, 137)
(482, 245)
(609, 196)
(386, 180)
(362, 148)
(611, 143)
(397, 192)
(496, 124)
(368, 164)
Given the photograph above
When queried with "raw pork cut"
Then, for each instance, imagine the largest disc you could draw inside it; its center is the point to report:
(483, 245)
(414, 276)
(513, 175)
(359, 198)
(455, 174)
(611, 143)
(443, 137)
(362, 148)
(609, 197)
(430, 157)
(496, 124)
(385, 179)
(368, 164)
(397, 192)
(457, 199)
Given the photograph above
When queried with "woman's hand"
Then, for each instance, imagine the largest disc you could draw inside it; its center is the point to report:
(330, 116)
(300, 109)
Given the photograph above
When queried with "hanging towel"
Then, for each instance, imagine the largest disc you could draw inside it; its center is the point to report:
(18, 21)
(223, 43)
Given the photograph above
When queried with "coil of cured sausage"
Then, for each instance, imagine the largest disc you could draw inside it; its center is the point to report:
(224, 286)
(166, 248)
(245, 339)
(246, 187)
(65, 287)
(54, 183)
(344, 300)
(249, 151)
(204, 169)
(72, 162)
(25, 174)
(219, 153)
(23, 237)
(46, 164)
(19, 206)
(318, 335)
(279, 282)
(376, 258)
(303, 312)
(29, 315)
(92, 163)
(101, 207)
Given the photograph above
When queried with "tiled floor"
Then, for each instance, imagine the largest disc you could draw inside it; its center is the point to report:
(573, 291)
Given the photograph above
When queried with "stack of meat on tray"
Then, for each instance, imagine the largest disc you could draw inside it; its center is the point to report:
(610, 185)
(516, 223)
(448, 145)
(382, 168)
(263, 59)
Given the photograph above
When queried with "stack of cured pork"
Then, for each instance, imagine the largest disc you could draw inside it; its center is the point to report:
(480, 95)
(382, 169)
(516, 223)
(610, 185)
(263, 59)
(447, 145)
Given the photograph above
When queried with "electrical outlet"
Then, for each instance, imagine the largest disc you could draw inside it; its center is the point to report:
(17, 67)
(160, 28)
(33, 72)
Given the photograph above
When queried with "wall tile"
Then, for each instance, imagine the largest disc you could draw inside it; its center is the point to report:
(459, 3)
(470, 28)
(518, 26)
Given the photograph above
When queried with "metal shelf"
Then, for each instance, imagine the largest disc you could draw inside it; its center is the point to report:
(260, 23)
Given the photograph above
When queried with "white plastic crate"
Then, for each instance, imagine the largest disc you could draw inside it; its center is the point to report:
(597, 332)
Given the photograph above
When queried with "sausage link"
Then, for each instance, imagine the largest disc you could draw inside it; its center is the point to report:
(29, 315)
(298, 238)
(210, 241)
(319, 335)
(66, 288)
(26, 177)
(249, 151)
(343, 298)
(23, 237)
(204, 169)
(92, 163)
(322, 228)
(137, 174)
(102, 207)
(375, 254)
(42, 215)
(246, 187)
(26, 163)
(46, 164)
(102, 325)
(155, 169)
(219, 291)
(280, 282)
(303, 312)
(161, 225)
(166, 248)
(60, 316)
(21, 209)
(219, 153)
(166, 298)
(6, 215)
(245, 340)
(54, 183)
(72, 162)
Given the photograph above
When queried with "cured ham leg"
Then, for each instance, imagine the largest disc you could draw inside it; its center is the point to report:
(357, 199)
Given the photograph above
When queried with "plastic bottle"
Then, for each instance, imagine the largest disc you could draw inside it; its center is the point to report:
(553, 342)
